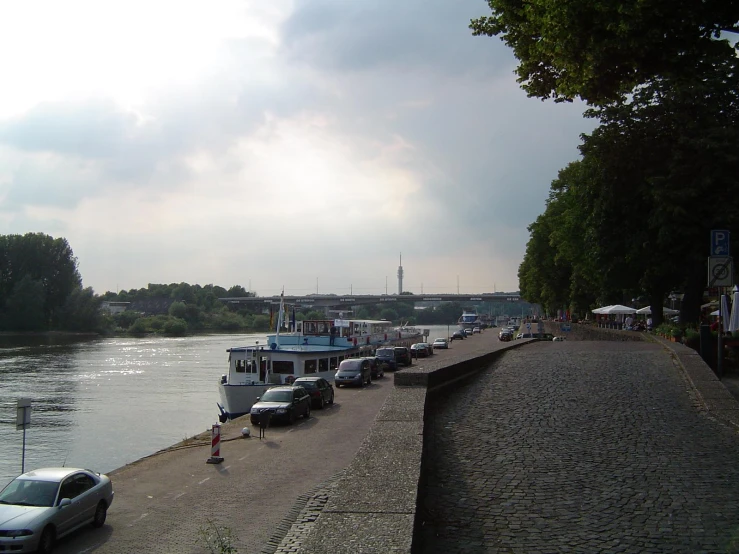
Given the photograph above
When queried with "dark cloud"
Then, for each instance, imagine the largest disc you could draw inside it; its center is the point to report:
(413, 34)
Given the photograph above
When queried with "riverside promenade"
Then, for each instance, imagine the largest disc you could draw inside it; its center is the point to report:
(575, 446)
(584, 447)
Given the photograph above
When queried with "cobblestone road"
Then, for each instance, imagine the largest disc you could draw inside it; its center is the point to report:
(579, 447)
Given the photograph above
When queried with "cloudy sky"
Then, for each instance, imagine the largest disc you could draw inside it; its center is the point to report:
(301, 144)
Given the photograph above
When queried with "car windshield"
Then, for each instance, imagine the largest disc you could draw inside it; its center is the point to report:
(385, 352)
(349, 370)
(25, 492)
(306, 384)
(277, 396)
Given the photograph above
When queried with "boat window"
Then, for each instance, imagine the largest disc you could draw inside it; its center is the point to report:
(333, 363)
(310, 366)
(240, 366)
(323, 364)
(282, 367)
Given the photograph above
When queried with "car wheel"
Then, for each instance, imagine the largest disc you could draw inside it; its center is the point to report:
(307, 411)
(101, 512)
(331, 400)
(47, 540)
(322, 404)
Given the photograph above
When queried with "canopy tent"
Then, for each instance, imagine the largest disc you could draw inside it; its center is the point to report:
(665, 311)
(600, 310)
(617, 309)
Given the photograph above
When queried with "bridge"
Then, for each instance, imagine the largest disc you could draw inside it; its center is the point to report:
(333, 300)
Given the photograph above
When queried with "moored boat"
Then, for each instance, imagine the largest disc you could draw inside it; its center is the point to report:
(315, 349)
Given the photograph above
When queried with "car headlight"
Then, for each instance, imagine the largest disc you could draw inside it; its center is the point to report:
(254, 411)
(358, 376)
(281, 410)
(18, 533)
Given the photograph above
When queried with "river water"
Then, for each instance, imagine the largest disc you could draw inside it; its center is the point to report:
(103, 403)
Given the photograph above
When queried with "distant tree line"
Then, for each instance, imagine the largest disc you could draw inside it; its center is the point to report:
(41, 290)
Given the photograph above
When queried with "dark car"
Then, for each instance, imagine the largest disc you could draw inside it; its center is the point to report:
(321, 391)
(458, 335)
(284, 403)
(353, 372)
(377, 367)
(419, 350)
(387, 355)
(403, 355)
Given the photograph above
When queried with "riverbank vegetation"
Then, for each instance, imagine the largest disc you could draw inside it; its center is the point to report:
(631, 218)
(41, 291)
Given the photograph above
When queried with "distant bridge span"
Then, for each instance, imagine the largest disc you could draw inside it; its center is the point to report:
(331, 300)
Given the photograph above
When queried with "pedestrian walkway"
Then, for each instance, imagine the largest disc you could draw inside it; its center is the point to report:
(579, 447)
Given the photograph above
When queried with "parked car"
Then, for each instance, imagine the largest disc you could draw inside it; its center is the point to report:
(469, 332)
(458, 335)
(387, 355)
(476, 330)
(377, 367)
(440, 343)
(44, 505)
(353, 372)
(284, 403)
(321, 392)
(403, 355)
(419, 350)
(429, 348)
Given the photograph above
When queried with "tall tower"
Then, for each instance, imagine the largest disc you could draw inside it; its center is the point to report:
(400, 275)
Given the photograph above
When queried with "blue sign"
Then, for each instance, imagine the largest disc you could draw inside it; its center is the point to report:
(719, 242)
(565, 327)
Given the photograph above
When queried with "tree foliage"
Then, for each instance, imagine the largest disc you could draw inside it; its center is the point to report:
(599, 50)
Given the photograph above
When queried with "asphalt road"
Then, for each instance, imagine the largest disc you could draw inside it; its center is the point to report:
(163, 503)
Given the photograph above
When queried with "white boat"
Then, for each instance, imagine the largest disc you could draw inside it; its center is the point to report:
(469, 319)
(315, 349)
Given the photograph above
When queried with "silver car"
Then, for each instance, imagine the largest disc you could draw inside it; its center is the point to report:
(43, 505)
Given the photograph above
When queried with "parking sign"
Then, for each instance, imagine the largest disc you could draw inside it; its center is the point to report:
(719, 242)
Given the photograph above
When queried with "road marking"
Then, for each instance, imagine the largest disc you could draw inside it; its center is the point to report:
(204, 480)
(135, 521)
(179, 495)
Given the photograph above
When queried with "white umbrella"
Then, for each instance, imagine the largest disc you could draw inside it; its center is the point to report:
(734, 319)
(665, 311)
(725, 312)
(618, 309)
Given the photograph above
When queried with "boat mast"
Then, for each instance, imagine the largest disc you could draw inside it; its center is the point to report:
(280, 316)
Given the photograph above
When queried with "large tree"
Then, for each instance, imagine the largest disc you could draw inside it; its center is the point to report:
(598, 50)
(41, 258)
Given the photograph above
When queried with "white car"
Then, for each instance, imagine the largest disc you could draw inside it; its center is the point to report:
(558, 339)
(43, 505)
(440, 343)
(476, 330)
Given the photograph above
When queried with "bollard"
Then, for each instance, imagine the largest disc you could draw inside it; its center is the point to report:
(215, 445)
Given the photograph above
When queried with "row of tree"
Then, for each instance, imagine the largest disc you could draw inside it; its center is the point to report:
(41, 290)
(632, 217)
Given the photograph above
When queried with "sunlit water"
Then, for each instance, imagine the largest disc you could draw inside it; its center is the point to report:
(103, 403)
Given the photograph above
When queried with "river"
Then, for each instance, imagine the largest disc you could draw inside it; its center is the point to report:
(104, 403)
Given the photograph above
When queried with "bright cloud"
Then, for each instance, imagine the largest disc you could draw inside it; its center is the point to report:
(282, 143)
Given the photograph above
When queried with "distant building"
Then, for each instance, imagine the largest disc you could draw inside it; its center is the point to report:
(152, 306)
(113, 307)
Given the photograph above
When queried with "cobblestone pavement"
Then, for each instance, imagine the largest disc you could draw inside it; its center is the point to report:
(579, 447)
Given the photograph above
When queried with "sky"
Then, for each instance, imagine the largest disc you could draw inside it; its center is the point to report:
(284, 144)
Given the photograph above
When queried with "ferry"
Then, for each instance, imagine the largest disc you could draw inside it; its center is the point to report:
(315, 348)
(469, 319)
